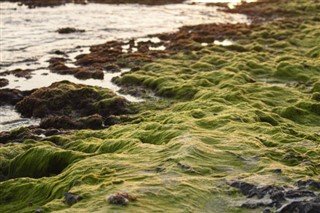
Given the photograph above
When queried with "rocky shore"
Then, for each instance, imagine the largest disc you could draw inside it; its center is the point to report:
(51, 3)
(235, 126)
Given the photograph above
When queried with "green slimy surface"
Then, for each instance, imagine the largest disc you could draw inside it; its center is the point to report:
(227, 112)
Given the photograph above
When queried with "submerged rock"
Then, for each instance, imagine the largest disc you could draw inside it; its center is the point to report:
(3, 82)
(68, 30)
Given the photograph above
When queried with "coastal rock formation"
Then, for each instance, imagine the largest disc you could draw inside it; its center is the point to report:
(67, 101)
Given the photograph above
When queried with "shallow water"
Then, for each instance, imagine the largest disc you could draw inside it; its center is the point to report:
(10, 119)
(29, 38)
(29, 34)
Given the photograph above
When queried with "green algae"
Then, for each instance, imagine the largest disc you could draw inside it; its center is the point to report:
(228, 113)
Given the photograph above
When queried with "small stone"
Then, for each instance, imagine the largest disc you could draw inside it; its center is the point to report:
(71, 198)
(121, 199)
(277, 171)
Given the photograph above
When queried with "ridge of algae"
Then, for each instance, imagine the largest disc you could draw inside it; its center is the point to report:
(228, 113)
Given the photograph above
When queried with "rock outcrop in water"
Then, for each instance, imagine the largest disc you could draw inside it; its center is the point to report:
(247, 111)
(70, 106)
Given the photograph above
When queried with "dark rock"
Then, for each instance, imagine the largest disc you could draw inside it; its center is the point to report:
(56, 60)
(118, 200)
(10, 96)
(59, 122)
(67, 30)
(253, 204)
(277, 196)
(301, 207)
(298, 194)
(267, 210)
(17, 135)
(51, 132)
(245, 188)
(308, 183)
(59, 52)
(183, 166)
(3, 82)
(261, 192)
(277, 171)
(73, 100)
(112, 68)
(71, 198)
(92, 122)
(121, 198)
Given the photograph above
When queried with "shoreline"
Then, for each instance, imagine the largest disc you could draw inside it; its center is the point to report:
(235, 124)
(53, 3)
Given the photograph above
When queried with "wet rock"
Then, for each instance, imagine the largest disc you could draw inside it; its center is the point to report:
(59, 52)
(261, 192)
(11, 96)
(312, 206)
(51, 132)
(308, 183)
(17, 135)
(59, 122)
(92, 122)
(57, 66)
(86, 74)
(299, 193)
(112, 68)
(3, 82)
(56, 60)
(277, 196)
(71, 198)
(121, 199)
(245, 188)
(19, 73)
(65, 98)
(253, 204)
(68, 30)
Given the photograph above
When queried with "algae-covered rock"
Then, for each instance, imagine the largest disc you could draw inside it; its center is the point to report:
(69, 99)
